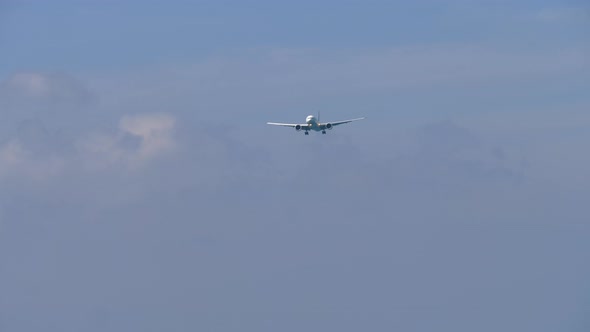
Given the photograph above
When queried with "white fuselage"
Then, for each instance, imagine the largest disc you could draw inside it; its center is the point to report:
(313, 123)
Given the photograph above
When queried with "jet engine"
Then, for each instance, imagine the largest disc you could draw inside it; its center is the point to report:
(298, 127)
(329, 126)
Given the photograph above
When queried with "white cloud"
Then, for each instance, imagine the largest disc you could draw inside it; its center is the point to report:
(27, 87)
(11, 154)
(155, 131)
(15, 159)
(32, 84)
(139, 138)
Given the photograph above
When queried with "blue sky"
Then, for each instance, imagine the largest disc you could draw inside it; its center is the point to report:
(141, 190)
(118, 34)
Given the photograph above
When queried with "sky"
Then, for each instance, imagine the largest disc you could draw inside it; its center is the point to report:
(141, 189)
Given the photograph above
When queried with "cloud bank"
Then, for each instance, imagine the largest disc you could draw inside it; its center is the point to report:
(163, 200)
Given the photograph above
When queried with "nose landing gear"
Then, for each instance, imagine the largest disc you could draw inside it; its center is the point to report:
(323, 131)
(306, 132)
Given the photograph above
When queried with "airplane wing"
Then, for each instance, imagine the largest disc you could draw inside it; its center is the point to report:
(342, 122)
(292, 125)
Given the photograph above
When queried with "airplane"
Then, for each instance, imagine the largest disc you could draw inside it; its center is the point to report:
(311, 123)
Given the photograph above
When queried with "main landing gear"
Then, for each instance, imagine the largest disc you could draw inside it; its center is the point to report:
(306, 132)
(323, 131)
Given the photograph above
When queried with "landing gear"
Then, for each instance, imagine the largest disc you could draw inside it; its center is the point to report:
(323, 131)
(306, 132)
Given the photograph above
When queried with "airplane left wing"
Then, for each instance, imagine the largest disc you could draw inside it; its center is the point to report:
(343, 122)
